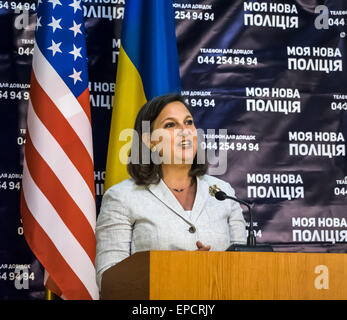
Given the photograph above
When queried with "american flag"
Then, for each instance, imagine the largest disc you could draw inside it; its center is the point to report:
(58, 197)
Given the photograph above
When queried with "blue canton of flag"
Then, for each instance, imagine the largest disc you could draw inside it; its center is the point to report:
(60, 37)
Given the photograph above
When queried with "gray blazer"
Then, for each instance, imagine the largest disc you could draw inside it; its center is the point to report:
(136, 218)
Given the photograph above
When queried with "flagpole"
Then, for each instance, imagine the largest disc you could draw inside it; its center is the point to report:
(49, 295)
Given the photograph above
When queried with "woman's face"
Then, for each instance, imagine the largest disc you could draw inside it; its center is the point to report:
(174, 128)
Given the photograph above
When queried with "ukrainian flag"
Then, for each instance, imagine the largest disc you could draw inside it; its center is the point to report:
(147, 67)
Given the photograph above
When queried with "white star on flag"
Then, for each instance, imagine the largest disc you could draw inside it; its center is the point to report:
(55, 24)
(55, 2)
(76, 52)
(38, 22)
(76, 5)
(76, 76)
(55, 47)
(76, 28)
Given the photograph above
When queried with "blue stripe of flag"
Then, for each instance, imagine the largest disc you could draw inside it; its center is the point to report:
(149, 39)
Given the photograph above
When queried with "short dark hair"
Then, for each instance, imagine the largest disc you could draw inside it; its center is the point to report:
(145, 174)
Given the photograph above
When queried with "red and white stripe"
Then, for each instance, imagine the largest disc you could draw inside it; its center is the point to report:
(58, 199)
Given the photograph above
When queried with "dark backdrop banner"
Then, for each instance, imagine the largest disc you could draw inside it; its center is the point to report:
(267, 84)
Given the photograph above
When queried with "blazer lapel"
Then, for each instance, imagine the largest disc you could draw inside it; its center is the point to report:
(201, 197)
(163, 193)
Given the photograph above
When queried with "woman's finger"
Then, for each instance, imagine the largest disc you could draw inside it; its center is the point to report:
(201, 247)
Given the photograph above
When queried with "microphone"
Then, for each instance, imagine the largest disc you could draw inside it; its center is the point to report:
(251, 240)
(221, 195)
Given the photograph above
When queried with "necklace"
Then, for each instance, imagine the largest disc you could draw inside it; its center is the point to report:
(182, 189)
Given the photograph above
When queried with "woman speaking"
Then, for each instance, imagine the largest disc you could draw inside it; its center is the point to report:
(166, 204)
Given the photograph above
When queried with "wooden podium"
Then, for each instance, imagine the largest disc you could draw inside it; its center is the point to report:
(197, 275)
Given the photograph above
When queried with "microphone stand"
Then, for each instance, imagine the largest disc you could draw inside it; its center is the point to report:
(251, 245)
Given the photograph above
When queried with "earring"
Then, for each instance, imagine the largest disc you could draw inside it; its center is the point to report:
(154, 149)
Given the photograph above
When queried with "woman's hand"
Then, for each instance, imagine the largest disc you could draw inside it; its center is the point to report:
(201, 247)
